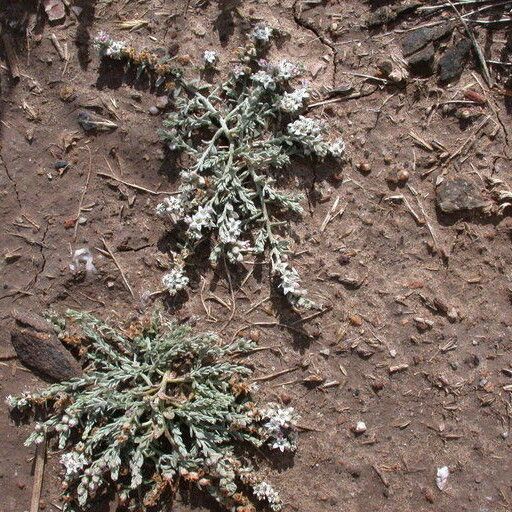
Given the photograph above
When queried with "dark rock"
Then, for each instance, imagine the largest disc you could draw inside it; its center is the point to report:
(379, 17)
(418, 39)
(60, 164)
(387, 14)
(453, 61)
(364, 351)
(457, 195)
(38, 347)
(344, 259)
(422, 62)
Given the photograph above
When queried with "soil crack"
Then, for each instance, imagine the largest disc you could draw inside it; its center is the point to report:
(12, 180)
(41, 251)
(297, 16)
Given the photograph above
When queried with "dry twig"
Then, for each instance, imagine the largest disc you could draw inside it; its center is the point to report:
(38, 476)
(478, 50)
(111, 254)
(133, 185)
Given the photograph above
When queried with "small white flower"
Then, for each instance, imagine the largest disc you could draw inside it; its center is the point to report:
(11, 401)
(286, 70)
(115, 49)
(265, 492)
(73, 463)
(264, 79)
(261, 33)
(282, 444)
(292, 102)
(305, 126)
(171, 206)
(202, 218)
(108, 47)
(337, 148)
(210, 57)
(175, 280)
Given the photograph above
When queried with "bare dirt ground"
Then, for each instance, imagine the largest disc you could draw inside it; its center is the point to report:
(415, 335)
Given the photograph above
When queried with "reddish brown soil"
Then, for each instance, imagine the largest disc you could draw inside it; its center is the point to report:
(447, 407)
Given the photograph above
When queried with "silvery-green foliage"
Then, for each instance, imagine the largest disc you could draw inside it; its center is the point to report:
(235, 136)
(156, 406)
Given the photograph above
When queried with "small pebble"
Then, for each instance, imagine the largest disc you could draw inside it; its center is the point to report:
(402, 175)
(60, 164)
(344, 259)
(285, 397)
(452, 315)
(364, 167)
(360, 428)
(154, 110)
(355, 320)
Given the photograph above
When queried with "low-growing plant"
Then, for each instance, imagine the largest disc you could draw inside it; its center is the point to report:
(235, 136)
(157, 407)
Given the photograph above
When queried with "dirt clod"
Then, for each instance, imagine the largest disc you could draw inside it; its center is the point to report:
(418, 39)
(38, 347)
(453, 61)
(457, 195)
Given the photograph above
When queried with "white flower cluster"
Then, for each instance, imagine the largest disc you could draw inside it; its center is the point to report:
(108, 47)
(292, 102)
(171, 206)
(305, 127)
(175, 280)
(202, 218)
(265, 492)
(309, 133)
(261, 33)
(229, 234)
(265, 79)
(337, 148)
(290, 284)
(280, 427)
(73, 463)
(287, 70)
(210, 57)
